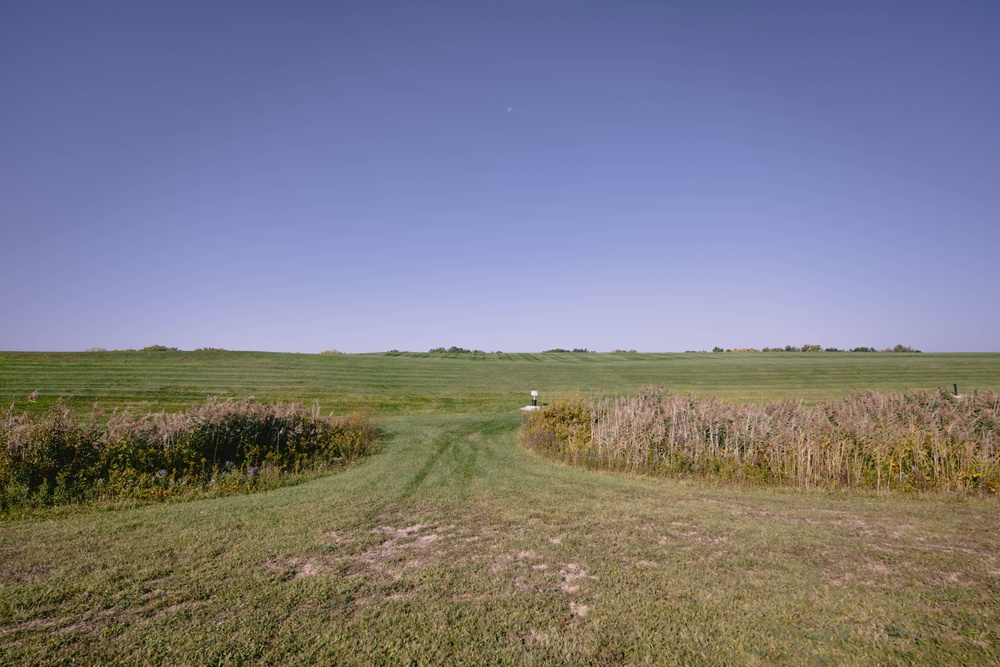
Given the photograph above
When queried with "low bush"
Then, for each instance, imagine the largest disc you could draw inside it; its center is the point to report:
(561, 430)
(871, 441)
(219, 446)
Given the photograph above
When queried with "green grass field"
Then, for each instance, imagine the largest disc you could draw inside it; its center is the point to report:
(455, 546)
(466, 383)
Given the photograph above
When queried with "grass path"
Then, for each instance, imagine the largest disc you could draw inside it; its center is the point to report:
(455, 546)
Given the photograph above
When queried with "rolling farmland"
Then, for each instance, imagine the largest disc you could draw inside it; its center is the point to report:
(453, 545)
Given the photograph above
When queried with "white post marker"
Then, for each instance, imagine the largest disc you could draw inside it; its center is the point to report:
(534, 403)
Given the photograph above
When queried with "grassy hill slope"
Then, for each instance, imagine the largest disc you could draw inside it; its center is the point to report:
(455, 546)
(425, 383)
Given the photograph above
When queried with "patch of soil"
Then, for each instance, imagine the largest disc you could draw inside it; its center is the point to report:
(572, 575)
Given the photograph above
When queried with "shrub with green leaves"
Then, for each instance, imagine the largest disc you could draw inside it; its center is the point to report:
(219, 445)
(561, 430)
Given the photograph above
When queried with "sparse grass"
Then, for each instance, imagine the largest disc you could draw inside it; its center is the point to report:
(454, 545)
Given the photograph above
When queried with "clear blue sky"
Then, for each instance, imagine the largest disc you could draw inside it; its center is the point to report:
(302, 176)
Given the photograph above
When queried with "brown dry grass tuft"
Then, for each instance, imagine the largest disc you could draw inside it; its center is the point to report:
(871, 441)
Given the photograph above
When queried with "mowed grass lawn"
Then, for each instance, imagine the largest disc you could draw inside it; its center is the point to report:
(412, 383)
(453, 545)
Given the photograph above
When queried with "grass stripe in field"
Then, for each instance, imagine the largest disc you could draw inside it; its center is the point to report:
(415, 383)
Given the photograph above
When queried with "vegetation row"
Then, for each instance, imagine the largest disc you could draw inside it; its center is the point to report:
(818, 348)
(869, 441)
(216, 447)
(454, 349)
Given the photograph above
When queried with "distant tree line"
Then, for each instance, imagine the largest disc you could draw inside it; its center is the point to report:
(816, 348)
(462, 350)
(159, 348)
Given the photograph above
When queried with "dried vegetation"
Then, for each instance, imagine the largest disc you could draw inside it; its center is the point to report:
(218, 446)
(871, 441)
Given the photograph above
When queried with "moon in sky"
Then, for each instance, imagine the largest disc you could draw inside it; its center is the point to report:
(509, 109)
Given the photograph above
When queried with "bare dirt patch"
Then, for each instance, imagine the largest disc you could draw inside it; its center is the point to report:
(398, 549)
(537, 637)
(296, 567)
(572, 576)
(336, 538)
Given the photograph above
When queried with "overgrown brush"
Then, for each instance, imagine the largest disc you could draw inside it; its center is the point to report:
(911, 441)
(561, 430)
(219, 446)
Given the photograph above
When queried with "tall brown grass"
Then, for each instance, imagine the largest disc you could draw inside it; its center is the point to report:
(910, 441)
(218, 446)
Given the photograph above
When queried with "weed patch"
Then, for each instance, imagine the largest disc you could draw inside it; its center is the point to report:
(930, 441)
(220, 447)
